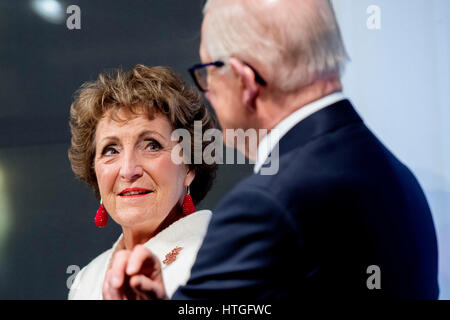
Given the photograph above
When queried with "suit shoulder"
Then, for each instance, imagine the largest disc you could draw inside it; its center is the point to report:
(251, 201)
(254, 186)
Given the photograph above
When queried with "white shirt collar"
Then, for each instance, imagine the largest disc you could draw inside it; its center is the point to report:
(267, 144)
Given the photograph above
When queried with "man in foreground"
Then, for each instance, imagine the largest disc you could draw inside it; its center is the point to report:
(342, 217)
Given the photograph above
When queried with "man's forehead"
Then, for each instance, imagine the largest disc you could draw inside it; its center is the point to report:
(203, 50)
(204, 56)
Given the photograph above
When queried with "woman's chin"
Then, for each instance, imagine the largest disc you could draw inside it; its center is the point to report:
(134, 216)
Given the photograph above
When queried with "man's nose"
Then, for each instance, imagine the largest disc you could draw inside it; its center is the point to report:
(131, 168)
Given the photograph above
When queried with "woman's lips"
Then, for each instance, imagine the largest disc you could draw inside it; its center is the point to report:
(134, 192)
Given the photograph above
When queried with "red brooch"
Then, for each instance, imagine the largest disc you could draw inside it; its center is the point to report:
(172, 255)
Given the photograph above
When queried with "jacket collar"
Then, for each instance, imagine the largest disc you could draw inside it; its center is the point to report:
(269, 144)
(326, 120)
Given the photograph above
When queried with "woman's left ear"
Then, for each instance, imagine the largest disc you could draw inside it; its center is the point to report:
(189, 177)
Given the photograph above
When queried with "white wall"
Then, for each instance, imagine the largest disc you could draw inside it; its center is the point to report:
(399, 81)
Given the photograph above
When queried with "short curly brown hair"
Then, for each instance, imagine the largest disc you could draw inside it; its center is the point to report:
(157, 89)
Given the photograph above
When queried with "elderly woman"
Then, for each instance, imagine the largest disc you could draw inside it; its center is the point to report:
(121, 146)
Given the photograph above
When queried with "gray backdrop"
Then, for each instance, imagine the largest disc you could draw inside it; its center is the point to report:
(46, 215)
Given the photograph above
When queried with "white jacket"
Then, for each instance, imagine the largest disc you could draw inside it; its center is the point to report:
(186, 233)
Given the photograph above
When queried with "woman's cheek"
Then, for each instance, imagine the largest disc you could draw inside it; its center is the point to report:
(168, 174)
(106, 177)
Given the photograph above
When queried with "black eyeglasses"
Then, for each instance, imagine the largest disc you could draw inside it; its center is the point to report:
(199, 74)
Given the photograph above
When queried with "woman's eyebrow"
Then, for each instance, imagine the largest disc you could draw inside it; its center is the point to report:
(143, 134)
(109, 139)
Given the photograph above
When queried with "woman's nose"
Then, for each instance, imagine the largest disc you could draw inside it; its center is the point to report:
(131, 168)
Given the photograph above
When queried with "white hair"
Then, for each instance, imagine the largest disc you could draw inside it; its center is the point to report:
(292, 43)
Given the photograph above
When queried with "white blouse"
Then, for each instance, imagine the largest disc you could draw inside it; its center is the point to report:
(176, 247)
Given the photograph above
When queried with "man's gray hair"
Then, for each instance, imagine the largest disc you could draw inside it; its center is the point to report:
(292, 43)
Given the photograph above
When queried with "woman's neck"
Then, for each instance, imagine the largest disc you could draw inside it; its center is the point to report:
(133, 236)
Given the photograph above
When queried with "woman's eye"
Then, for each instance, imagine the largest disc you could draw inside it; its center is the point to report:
(153, 145)
(109, 150)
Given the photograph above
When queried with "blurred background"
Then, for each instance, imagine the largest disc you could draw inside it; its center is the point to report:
(399, 80)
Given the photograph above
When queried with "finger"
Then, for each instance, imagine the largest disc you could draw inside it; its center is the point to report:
(108, 291)
(148, 288)
(140, 295)
(105, 290)
(142, 260)
(118, 267)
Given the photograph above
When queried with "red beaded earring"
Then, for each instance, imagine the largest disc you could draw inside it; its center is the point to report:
(188, 204)
(101, 218)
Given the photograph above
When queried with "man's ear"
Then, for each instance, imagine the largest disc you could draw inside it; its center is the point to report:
(249, 84)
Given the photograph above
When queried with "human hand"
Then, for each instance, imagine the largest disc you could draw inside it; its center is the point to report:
(134, 275)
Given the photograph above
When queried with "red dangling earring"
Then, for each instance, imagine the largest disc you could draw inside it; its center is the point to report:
(101, 218)
(188, 204)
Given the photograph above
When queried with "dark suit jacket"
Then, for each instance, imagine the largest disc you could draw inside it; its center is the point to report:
(341, 202)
